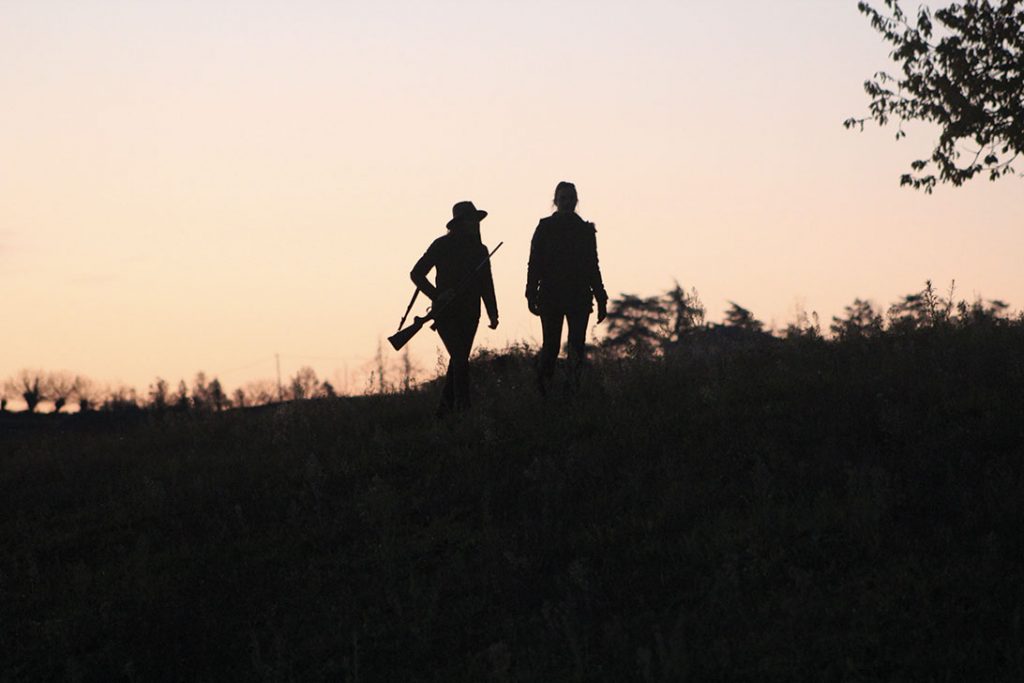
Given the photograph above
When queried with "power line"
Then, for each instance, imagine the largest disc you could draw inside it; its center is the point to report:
(254, 363)
(332, 358)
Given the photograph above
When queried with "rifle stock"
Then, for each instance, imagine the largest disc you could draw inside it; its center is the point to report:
(402, 337)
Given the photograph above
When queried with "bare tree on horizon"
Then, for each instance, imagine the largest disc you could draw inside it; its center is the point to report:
(87, 393)
(60, 386)
(30, 385)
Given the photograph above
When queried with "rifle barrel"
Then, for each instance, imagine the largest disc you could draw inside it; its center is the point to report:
(408, 308)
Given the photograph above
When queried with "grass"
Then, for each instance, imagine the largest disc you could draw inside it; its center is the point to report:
(846, 511)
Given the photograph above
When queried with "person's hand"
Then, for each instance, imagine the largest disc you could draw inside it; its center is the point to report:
(602, 310)
(494, 323)
(533, 305)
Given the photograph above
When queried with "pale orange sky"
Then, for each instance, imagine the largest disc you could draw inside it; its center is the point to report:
(192, 186)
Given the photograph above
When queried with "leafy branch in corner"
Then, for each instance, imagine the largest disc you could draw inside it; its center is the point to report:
(963, 70)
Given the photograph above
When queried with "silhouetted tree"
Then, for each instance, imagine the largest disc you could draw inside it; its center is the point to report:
(261, 392)
(305, 383)
(636, 324)
(215, 395)
(982, 313)
(804, 327)
(158, 395)
(653, 324)
(181, 400)
(30, 385)
(121, 400)
(685, 313)
(327, 390)
(737, 316)
(87, 394)
(239, 398)
(968, 82)
(861, 322)
(200, 392)
(59, 386)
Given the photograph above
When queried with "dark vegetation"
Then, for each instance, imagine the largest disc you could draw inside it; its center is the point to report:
(715, 503)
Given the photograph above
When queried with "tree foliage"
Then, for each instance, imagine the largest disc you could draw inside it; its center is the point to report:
(861, 321)
(217, 398)
(180, 400)
(805, 326)
(963, 70)
(652, 324)
(737, 316)
(636, 323)
(158, 394)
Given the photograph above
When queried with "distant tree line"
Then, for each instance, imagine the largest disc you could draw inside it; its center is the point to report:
(658, 324)
(64, 390)
(637, 326)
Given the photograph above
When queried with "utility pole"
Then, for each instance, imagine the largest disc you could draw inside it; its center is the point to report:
(280, 389)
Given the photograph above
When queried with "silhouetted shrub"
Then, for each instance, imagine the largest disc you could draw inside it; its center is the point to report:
(640, 326)
(861, 322)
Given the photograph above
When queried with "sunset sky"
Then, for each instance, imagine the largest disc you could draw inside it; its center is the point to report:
(192, 185)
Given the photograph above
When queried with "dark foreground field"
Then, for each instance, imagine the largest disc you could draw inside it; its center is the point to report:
(798, 510)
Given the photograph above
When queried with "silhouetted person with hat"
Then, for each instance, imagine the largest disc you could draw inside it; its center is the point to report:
(563, 280)
(459, 287)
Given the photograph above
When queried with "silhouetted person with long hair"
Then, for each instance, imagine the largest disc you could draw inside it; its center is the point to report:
(562, 282)
(460, 286)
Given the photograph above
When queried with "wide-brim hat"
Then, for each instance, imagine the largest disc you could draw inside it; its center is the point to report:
(463, 210)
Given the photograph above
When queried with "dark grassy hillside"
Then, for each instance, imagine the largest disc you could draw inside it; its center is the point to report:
(740, 510)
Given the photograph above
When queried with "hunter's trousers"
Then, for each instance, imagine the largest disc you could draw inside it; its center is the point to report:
(551, 324)
(457, 334)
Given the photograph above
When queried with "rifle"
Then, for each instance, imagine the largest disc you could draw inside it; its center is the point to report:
(409, 307)
(402, 337)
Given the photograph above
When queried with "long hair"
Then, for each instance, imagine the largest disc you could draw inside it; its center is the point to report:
(460, 229)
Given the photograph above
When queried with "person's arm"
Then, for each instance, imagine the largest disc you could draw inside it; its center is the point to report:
(420, 270)
(487, 294)
(533, 270)
(594, 275)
